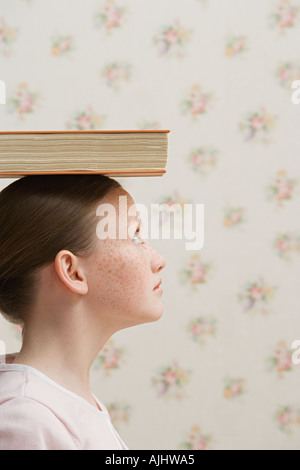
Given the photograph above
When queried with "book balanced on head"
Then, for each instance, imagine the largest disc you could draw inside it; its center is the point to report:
(109, 152)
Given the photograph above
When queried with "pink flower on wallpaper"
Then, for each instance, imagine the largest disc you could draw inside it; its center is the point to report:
(235, 45)
(8, 36)
(287, 244)
(281, 359)
(256, 126)
(197, 102)
(282, 188)
(287, 73)
(201, 328)
(233, 387)
(115, 73)
(85, 120)
(256, 296)
(172, 39)
(62, 45)
(23, 101)
(17, 331)
(196, 271)
(196, 440)
(119, 413)
(287, 418)
(175, 199)
(170, 381)
(110, 357)
(285, 16)
(202, 159)
(234, 216)
(168, 205)
(110, 16)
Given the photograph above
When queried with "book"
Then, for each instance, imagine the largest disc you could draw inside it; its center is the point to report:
(109, 152)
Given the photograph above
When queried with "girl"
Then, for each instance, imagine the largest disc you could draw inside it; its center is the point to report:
(70, 290)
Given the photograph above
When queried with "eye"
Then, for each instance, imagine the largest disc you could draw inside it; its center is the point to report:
(139, 238)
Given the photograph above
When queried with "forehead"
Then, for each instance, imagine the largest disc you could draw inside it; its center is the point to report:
(123, 204)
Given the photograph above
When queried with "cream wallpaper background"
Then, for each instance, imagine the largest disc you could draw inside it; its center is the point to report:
(216, 371)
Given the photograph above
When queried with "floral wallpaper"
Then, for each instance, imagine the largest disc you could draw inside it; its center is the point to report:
(216, 371)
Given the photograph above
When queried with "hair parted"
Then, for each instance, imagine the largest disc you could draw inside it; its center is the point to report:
(41, 215)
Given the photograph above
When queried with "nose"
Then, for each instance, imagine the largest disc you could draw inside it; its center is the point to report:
(159, 262)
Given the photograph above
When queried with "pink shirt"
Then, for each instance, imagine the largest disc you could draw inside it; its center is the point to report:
(38, 414)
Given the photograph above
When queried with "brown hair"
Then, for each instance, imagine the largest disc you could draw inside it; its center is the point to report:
(39, 216)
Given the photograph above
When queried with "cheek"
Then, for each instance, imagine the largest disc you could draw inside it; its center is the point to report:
(122, 276)
(133, 272)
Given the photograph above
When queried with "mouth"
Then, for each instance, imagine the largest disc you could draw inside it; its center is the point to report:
(157, 285)
(157, 288)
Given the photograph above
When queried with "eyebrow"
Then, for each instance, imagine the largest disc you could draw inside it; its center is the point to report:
(137, 217)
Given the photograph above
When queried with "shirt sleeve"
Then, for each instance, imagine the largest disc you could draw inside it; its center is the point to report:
(29, 425)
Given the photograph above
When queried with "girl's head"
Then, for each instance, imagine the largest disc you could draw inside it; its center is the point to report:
(52, 260)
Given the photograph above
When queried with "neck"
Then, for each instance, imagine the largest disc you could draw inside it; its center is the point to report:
(63, 355)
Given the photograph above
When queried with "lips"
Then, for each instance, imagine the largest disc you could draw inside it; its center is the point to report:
(158, 284)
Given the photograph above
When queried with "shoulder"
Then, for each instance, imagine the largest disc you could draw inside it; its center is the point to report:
(26, 424)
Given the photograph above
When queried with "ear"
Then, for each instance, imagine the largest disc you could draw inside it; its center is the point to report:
(70, 273)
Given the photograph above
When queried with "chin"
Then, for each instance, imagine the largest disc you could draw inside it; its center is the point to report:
(157, 314)
(152, 317)
(141, 314)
